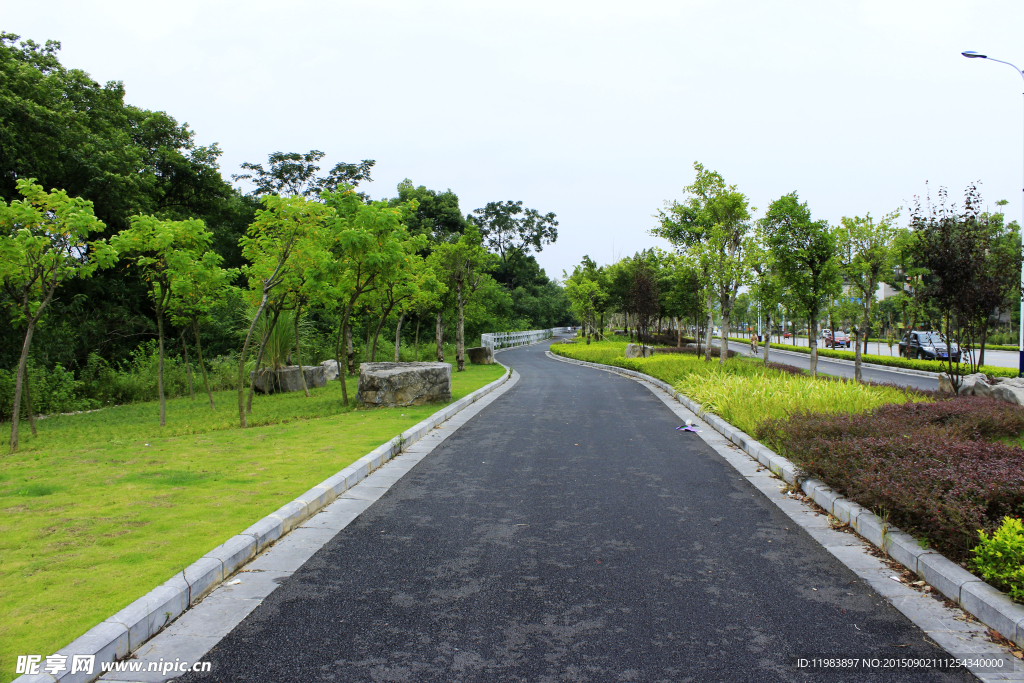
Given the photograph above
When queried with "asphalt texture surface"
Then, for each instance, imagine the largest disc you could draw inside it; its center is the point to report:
(569, 532)
(825, 366)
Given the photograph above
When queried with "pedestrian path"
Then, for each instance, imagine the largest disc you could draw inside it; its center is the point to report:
(569, 532)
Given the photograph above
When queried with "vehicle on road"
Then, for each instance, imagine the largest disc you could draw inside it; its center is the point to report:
(926, 345)
(786, 335)
(837, 339)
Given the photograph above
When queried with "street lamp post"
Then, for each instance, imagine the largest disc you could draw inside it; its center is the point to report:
(970, 54)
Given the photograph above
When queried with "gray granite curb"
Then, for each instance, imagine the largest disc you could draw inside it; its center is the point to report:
(986, 603)
(123, 633)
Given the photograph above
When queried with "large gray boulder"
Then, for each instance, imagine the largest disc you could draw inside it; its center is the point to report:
(1011, 393)
(983, 389)
(404, 384)
(637, 351)
(288, 379)
(969, 384)
(481, 355)
(331, 369)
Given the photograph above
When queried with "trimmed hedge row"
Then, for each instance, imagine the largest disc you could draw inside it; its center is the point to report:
(890, 361)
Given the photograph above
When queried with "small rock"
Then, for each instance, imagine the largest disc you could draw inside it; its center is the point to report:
(636, 351)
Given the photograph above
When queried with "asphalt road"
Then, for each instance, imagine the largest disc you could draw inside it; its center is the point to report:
(803, 360)
(568, 533)
(1005, 359)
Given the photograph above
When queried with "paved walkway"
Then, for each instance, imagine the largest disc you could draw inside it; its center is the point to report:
(569, 532)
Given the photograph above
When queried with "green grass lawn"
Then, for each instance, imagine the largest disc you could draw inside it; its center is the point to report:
(743, 391)
(102, 507)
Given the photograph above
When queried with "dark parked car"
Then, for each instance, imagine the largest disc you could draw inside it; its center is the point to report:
(928, 346)
(837, 339)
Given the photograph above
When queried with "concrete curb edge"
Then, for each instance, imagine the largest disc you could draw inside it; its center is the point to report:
(986, 603)
(121, 634)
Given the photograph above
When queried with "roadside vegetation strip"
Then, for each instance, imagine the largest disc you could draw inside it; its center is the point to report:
(96, 498)
(890, 361)
(989, 605)
(743, 391)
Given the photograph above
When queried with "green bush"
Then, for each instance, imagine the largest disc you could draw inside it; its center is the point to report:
(53, 391)
(999, 558)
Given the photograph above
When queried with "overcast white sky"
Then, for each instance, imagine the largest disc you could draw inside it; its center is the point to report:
(594, 110)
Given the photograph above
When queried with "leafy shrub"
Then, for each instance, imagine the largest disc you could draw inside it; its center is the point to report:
(999, 558)
(936, 468)
(53, 391)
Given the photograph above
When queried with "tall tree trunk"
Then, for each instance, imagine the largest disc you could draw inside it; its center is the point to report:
(439, 338)
(398, 337)
(160, 365)
(337, 352)
(380, 326)
(259, 360)
(460, 346)
(723, 351)
(241, 363)
(812, 341)
(188, 366)
(298, 355)
(709, 330)
(857, 353)
(202, 365)
(19, 382)
(28, 400)
(984, 336)
(768, 339)
(416, 344)
(350, 347)
(679, 333)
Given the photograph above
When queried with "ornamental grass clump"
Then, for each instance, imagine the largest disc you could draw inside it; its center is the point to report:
(940, 470)
(747, 400)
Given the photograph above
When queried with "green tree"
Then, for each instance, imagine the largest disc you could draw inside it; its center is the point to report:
(200, 284)
(291, 173)
(370, 243)
(161, 251)
(806, 253)
(766, 288)
(512, 232)
(271, 239)
(866, 252)
(437, 215)
(60, 126)
(587, 291)
(712, 225)
(462, 265)
(44, 242)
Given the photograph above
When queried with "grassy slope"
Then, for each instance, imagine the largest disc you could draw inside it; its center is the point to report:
(743, 391)
(102, 507)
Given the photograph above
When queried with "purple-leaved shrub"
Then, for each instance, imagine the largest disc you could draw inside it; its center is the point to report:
(940, 470)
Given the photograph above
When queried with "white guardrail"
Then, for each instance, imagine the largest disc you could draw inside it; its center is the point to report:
(504, 340)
